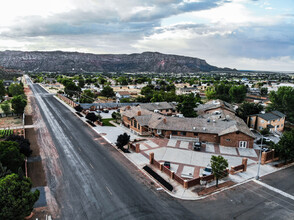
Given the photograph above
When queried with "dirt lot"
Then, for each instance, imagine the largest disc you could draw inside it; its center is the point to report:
(11, 122)
(28, 120)
(35, 168)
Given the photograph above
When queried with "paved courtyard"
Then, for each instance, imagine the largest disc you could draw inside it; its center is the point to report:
(187, 162)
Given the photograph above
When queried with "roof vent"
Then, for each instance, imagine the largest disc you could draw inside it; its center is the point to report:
(204, 129)
(194, 128)
(214, 121)
(228, 117)
(208, 120)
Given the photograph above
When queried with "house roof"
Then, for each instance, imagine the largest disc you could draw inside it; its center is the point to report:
(222, 126)
(215, 104)
(158, 106)
(124, 93)
(280, 114)
(271, 115)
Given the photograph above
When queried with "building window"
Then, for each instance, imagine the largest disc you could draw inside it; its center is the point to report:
(260, 128)
(132, 122)
(237, 132)
(139, 126)
(183, 133)
(278, 126)
(158, 131)
(262, 121)
(174, 132)
(228, 139)
(195, 133)
(273, 120)
(135, 124)
(281, 125)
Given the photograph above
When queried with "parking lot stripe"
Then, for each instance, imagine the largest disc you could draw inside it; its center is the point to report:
(275, 189)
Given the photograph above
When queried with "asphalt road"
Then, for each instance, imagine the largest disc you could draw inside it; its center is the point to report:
(89, 183)
(91, 180)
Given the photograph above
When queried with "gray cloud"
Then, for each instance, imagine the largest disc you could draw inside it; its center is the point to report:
(106, 20)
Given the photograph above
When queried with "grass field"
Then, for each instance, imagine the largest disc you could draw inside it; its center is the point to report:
(106, 122)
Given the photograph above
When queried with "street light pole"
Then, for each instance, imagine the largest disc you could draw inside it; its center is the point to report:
(259, 159)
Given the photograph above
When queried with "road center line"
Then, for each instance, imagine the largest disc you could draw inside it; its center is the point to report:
(108, 190)
(287, 195)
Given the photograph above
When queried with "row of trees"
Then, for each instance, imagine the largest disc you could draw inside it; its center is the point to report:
(16, 198)
(227, 92)
(18, 101)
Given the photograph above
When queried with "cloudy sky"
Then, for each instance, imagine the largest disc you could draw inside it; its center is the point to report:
(242, 34)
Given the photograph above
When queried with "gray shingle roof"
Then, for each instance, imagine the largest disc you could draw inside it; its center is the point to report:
(222, 126)
(158, 106)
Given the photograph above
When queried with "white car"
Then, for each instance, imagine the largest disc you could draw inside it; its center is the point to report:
(207, 171)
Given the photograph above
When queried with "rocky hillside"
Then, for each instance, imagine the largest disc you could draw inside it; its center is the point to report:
(58, 61)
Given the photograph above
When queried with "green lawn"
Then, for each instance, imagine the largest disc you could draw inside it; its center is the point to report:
(106, 122)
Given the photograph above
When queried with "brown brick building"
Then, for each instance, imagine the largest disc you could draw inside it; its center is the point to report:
(274, 121)
(216, 127)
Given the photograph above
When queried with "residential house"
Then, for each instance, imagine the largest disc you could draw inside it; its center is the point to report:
(274, 121)
(215, 106)
(224, 129)
(166, 108)
(123, 94)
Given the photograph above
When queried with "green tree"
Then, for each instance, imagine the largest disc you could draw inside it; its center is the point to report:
(87, 96)
(15, 89)
(4, 171)
(247, 108)
(187, 105)
(6, 108)
(16, 199)
(285, 147)
(283, 101)
(18, 104)
(81, 82)
(122, 140)
(263, 91)
(92, 116)
(238, 93)
(218, 166)
(210, 93)
(71, 88)
(116, 116)
(107, 92)
(2, 89)
(10, 155)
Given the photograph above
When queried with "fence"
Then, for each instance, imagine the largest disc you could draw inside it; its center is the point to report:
(240, 168)
(196, 181)
(185, 183)
(67, 100)
(267, 157)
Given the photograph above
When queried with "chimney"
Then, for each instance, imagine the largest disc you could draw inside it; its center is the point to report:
(139, 113)
(128, 107)
(164, 120)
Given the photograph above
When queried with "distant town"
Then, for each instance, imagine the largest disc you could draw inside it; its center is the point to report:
(191, 135)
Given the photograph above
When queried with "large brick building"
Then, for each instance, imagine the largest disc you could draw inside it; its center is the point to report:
(217, 126)
(274, 121)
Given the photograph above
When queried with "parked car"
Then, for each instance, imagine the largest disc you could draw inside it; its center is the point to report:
(98, 111)
(197, 146)
(207, 171)
(265, 149)
(167, 164)
(105, 110)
